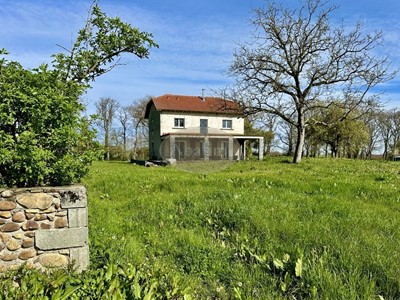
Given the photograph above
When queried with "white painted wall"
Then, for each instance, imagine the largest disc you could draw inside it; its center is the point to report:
(192, 123)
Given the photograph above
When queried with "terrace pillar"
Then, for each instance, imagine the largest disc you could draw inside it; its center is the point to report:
(260, 148)
(242, 149)
(172, 147)
(206, 148)
(230, 148)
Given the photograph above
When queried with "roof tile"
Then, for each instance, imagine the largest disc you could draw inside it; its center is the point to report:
(217, 105)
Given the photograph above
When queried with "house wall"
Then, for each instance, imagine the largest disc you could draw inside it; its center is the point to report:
(192, 123)
(44, 227)
(154, 133)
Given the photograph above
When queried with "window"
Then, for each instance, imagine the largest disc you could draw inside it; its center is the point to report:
(226, 124)
(179, 122)
(203, 126)
(180, 147)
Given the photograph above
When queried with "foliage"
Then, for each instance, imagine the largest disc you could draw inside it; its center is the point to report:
(389, 129)
(43, 138)
(105, 282)
(268, 136)
(325, 229)
(99, 44)
(347, 135)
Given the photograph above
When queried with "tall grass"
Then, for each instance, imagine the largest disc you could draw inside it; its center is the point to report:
(323, 229)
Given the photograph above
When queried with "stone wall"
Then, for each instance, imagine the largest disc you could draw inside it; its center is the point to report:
(44, 227)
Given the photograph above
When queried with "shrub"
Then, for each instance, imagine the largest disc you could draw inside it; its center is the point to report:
(43, 138)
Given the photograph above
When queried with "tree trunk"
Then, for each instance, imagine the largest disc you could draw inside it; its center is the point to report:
(298, 152)
(107, 145)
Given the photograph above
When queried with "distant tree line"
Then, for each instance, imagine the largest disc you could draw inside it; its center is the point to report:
(122, 130)
(363, 133)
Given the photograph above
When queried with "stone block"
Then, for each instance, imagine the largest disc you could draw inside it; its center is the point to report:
(7, 194)
(80, 256)
(73, 197)
(8, 257)
(5, 214)
(18, 217)
(27, 243)
(27, 254)
(7, 205)
(30, 225)
(60, 222)
(10, 227)
(53, 260)
(45, 226)
(35, 201)
(77, 217)
(13, 245)
(61, 238)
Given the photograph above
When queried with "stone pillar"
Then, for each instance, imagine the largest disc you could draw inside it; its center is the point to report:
(206, 148)
(44, 227)
(230, 148)
(242, 149)
(172, 147)
(261, 148)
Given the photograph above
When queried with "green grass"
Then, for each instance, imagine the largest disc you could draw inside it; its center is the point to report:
(323, 229)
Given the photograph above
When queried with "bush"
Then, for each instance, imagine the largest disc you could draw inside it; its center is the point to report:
(43, 138)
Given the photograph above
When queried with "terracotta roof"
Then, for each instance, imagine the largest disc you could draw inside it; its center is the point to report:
(195, 104)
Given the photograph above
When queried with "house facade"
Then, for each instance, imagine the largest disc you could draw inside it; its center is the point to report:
(196, 128)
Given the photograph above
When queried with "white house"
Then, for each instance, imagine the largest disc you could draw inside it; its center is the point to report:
(196, 128)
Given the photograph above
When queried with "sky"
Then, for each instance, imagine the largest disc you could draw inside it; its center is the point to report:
(196, 40)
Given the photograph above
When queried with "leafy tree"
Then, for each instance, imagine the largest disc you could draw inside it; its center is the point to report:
(298, 57)
(389, 128)
(102, 41)
(43, 137)
(250, 128)
(347, 135)
(106, 109)
(371, 121)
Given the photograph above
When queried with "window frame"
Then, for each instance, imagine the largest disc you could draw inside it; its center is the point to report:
(227, 124)
(179, 122)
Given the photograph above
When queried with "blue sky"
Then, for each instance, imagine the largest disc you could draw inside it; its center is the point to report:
(196, 38)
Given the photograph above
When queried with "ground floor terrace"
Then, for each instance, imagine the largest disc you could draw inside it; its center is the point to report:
(207, 147)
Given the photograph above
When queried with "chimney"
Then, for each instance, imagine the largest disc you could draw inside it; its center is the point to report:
(202, 95)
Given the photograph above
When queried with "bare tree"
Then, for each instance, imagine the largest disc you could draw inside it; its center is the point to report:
(286, 133)
(297, 58)
(371, 121)
(269, 122)
(123, 115)
(140, 130)
(106, 109)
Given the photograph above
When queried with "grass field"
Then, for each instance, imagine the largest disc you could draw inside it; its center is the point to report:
(323, 229)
